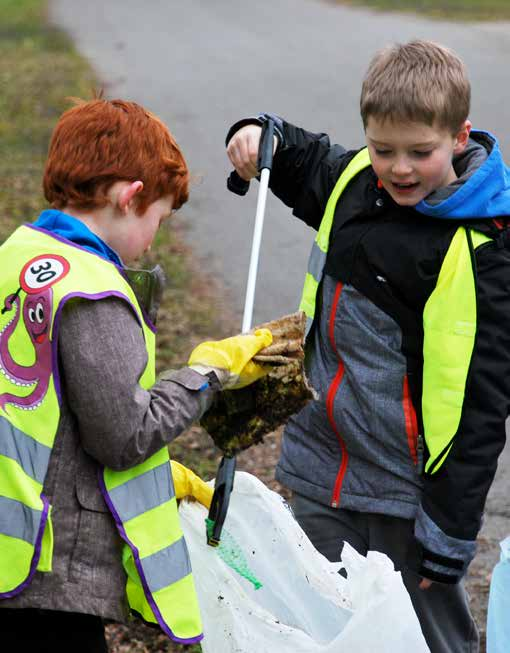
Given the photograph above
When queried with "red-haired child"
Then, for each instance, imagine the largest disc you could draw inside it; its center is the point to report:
(88, 522)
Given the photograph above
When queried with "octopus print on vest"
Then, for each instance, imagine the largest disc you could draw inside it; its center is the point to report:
(36, 279)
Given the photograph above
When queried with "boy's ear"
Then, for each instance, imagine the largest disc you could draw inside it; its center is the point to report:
(127, 193)
(462, 137)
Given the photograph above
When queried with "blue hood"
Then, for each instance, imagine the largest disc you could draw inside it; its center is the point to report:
(76, 231)
(485, 194)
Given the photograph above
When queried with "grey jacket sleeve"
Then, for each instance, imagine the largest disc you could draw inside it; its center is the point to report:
(102, 356)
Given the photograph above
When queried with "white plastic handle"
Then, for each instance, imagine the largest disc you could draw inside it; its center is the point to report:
(255, 250)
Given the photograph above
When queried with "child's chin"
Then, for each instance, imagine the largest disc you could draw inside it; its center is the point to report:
(409, 200)
(406, 202)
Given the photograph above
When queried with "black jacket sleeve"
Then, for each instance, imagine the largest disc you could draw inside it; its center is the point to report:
(305, 168)
(450, 515)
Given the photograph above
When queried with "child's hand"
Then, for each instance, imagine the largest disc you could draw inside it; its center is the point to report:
(188, 484)
(425, 583)
(231, 358)
(243, 151)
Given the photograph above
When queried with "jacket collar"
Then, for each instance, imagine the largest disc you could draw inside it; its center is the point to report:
(483, 189)
(68, 227)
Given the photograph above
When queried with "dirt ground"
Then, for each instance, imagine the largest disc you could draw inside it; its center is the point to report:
(261, 461)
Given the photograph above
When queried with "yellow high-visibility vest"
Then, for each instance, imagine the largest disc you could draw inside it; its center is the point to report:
(40, 272)
(449, 321)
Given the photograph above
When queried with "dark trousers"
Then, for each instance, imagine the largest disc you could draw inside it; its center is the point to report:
(50, 631)
(442, 610)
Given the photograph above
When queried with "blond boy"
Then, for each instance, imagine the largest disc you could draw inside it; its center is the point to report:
(408, 303)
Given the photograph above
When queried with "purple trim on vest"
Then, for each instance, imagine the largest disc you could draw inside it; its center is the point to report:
(56, 324)
(119, 268)
(136, 554)
(150, 325)
(148, 321)
(37, 552)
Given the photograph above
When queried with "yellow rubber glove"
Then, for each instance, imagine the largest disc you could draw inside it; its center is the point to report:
(231, 358)
(188, 484)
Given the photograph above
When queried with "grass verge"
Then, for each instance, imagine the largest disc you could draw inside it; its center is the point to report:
(39, 69)
(466, 10)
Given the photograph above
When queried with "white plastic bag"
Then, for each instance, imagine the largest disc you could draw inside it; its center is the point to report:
(498, 622)
(304, 604)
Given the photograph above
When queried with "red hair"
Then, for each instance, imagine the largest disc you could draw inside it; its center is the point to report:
(96, 143)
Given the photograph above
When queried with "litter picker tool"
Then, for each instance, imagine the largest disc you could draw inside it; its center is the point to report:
(226, 471)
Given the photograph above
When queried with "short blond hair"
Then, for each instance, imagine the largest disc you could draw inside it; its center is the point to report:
(419, 81)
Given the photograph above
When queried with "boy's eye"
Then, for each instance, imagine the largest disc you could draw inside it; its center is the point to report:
(382, 152)
(422, 154)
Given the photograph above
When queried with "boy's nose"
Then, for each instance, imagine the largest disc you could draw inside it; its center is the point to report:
(401, 167)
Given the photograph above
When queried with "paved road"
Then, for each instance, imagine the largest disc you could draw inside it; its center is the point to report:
(201, 64)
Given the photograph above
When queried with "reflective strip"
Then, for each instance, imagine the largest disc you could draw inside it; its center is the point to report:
(167, 566)
(143, 492)
(320, 246)
(307, 303)
(18, 520)
(479, 239)
(358, 163)
(316, 262)
(30, 454)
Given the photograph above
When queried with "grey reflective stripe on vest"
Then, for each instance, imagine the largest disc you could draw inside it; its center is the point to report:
(318, 255)
(32, 456)
(143, 493)
(167, 566)
(316, 262)
(18, 520)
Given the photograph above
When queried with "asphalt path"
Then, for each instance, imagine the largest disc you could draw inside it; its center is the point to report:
(202, 64)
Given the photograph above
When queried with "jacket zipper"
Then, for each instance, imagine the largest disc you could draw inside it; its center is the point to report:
(421, 454)
(330, 400)
(413, 439)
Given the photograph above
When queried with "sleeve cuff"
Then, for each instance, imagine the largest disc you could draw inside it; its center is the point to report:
(204, 385)
(191, 379)
(432, 566)
(436, 555)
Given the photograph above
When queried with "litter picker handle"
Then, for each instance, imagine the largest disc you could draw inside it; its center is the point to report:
(266, 146)
(265, 163)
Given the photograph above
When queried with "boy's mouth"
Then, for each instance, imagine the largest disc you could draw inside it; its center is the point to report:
(405, 188)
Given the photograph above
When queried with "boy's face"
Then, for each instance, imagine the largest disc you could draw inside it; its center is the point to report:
(136, 232)
(413, 159)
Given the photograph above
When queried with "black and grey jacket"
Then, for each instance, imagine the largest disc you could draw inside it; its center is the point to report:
(361, 445)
